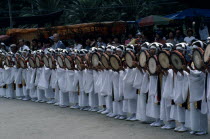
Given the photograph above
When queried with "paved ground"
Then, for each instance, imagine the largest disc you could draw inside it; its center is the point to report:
(29, 120)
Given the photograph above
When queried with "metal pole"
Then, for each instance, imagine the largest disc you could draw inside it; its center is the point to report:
(10, 13)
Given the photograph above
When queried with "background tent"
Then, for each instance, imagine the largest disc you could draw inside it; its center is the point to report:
(192, 12)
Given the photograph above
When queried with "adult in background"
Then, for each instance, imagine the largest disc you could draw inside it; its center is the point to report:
(34, 44)
(188, 39)
(159, 38)
(77, 44)
(22, 46)
(179, 37)
(13, 48)
(57, 42)
(100, 42)
(171, 38)
(130, 37)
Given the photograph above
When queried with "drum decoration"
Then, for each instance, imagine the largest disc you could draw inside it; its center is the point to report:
(95, 59)
(115, 62)
(9, 62)
(177, 60)
(52, 62)
(129, 58)
(69, 62)
(143, 58)
(105, 60)
(197, 58)
(206, 57)
(46, 61)
(152, 65)
(60, 60)
(164, 59)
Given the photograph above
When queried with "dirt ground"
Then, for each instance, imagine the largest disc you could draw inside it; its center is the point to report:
(30, 120)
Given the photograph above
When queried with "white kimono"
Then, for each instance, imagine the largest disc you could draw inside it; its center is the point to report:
(64, 95)
(141, 82)
(88, 83)
(180, 93)
(2, 83)
(129, 92)
(98, 85)
(72, 88)
(18, 82)
(54, 85)
(9, 76)
(166, 96)
(40, 91)
(198, 117)
(33, 88)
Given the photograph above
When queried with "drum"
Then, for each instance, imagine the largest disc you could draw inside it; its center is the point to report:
(153, 64)
(52, 62)
(60, 60)
(69, 62)
(129, 58)
(115, 62)
(78, 62)
(143, 58)
(95, 59)
(177, 60)
(164, 59)
(45, 60)
(206, 57)
(197, 57)
(23, 63)
(39, 61)
(9, 62)
(105, 60)
(31, 62)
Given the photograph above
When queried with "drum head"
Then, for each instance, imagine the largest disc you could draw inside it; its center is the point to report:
(176, 61)
(198, 59)
(37, 61)
(115, 62)
(7, 61)
(68, 63)
(31, 63)
(142, 59)
(22, 63)
(207, 54)
(60, 62)
(46, 62)
(152, 64)
(164, 60)
(105, 61)
(129, 60)
(95, 59)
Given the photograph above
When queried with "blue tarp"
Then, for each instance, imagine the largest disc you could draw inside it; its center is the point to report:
(192, 12)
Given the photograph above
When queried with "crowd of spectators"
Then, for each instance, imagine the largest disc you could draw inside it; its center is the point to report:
(54, 41)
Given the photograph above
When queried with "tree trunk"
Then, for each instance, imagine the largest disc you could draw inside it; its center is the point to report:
(10, 13)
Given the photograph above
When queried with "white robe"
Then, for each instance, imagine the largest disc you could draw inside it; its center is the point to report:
(198, 120)
(40, 91)
(9, 76)
(18, 81)
(2, 83)
(141, 78)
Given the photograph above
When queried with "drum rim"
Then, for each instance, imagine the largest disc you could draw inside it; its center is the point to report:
(183, 62)
(119, 61)
(164, 51)
(157, 63)
(147, 58)
(80, 60)
(99, 58)
(47, 65)
(133, 58)
(202, 57)
(107, 59)
(30, 62)
(59, 56)
(70, 61)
